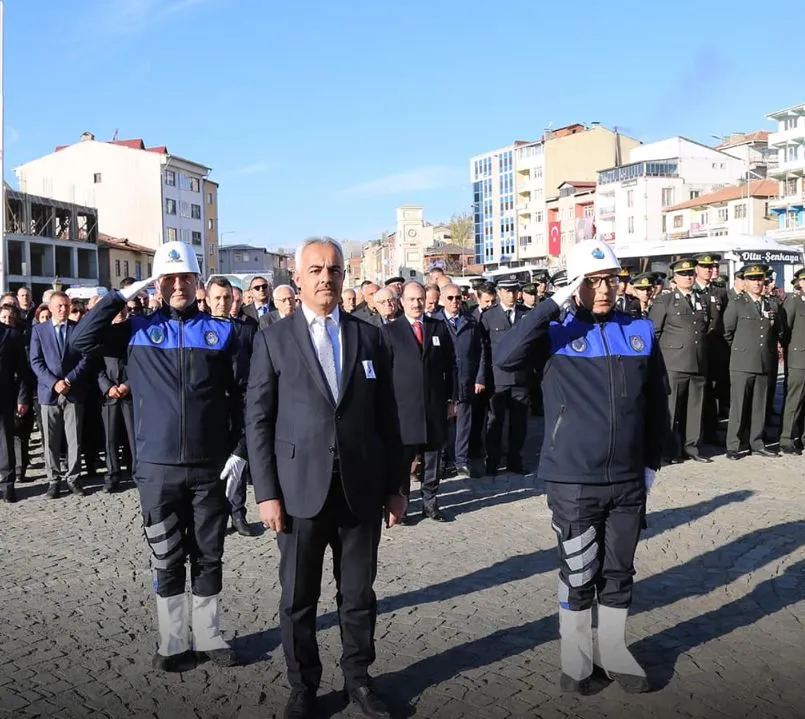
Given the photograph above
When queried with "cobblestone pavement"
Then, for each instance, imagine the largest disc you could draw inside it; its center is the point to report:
(467, 609)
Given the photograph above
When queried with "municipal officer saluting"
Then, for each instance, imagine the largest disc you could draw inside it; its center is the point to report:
(605, 419)
(752, 329)
(188, 412)
(681, 322)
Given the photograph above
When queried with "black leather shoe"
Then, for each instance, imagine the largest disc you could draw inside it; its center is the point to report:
(221, 657)
(784, 450)
(733, 455)
(369, 701)
(764, 453)
(491, 470)
(53, 491)
(243, 528)
(463, 472)
(10, 494)
(301, 705)
(436, 515)
(175, 663)
(700, 459)
(76, 489)
(575, 686)
(111, 487)
(516, 469)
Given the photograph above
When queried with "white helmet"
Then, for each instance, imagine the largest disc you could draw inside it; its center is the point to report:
(175, 258)
(590, 256)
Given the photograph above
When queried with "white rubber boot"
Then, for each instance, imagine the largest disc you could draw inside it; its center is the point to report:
(173, 618)
(576, 649)
(207, 637)
(611, 653)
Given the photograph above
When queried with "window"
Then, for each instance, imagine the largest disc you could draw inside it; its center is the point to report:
(667, 196)
(210, 224)
(540, 216)
(96, 178)
(196, 236)
(629, 198)
(722, 214)
(138, 270)
(630, 226)
(739, 211)
(791, 155)
(195, 185)
(791, 187)
(664, 223)
(694, 194)
(704, 219)
(209, 198)
(170, 234)
(185, 236)
(170, 206)
(150, 270)
(589, 210)
(678, 221)
(125, 268)
(184, 181)
(789, 123)
(170, 178)
(117, 268)
(195, 212)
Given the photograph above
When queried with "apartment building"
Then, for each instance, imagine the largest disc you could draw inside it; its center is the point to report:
(209, 190)
(513, 186)
(145, 194)
(570, 218)
(48, 243)
(788, 206)
(631, 197)
(753, 148)
(733, 210)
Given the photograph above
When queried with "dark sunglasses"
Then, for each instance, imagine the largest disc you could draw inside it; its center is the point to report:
(685, 273)
(452, 297)
(263, 287)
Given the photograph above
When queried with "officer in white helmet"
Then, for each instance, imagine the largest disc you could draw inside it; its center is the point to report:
(604, 392)
(188, 410)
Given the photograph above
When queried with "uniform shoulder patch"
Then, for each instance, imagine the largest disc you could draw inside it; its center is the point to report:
(211, 337)
(637, 343)
(156, 334)
(579, 344)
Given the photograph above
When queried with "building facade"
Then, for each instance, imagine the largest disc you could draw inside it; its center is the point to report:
(410, 240)
(118, 259)
(210, 191)
(48, 242)
(494, 205)
(144, 194)
(570, 218)
(788, 206)
(733, 210)
(753, 148)
(631, 198)
(252, 260)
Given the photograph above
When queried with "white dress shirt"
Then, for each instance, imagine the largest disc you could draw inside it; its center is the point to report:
(333, 329)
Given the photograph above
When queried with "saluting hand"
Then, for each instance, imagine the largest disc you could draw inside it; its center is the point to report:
(272, 515)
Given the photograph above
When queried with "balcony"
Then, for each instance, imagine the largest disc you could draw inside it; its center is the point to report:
(795, 135)
(524, 209)
(796, 199)
(606, 212)
(793, 234)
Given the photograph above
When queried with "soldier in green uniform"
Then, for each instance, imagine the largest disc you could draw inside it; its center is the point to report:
(643, 288)
(529, 292)
(737, 286)
(751, 329)
(681, 322)
(625, 302)
(794, 308)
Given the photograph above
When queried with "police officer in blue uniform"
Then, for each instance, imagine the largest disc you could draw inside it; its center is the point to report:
(604, 391)
(188, 412)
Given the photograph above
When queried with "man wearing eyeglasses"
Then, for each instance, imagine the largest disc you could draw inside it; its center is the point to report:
(260, 305)
(604, 394)
(285, 301)
(681, 323)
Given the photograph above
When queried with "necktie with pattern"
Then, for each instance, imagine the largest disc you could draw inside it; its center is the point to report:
(418, 332)
(324, 349)
(60, 338)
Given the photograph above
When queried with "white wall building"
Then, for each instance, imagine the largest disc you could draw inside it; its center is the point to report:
(532, 228)
(492, 176)
(789, 205)
(143, 194)
(631, 198)
(412, 237)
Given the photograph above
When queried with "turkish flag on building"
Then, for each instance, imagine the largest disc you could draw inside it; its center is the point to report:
(554, 238)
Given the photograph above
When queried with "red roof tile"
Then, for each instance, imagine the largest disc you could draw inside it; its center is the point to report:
(757, 188)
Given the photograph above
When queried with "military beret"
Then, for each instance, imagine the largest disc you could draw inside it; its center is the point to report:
(755, 271)
(684, 264)
(708, 260)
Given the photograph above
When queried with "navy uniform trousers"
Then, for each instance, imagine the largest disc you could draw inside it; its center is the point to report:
(598, 527)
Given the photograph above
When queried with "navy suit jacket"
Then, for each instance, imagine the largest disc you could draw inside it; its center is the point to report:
(473, 356)
(49, 366)
(295, 432)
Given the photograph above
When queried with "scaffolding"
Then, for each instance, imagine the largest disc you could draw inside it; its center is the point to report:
(34, 216)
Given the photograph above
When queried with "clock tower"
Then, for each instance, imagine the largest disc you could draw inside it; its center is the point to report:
(413, 238)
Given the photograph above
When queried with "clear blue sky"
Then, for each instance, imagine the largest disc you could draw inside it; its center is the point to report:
(322, 117)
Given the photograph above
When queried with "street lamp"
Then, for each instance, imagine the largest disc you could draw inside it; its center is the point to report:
(57, 284)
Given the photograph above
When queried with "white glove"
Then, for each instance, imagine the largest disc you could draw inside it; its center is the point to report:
(563, 295)
(232, 473)
(649, 475)
(133, 290)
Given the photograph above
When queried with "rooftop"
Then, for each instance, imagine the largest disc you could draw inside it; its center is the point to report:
(757, 188)
(742, 138)
(136, 143)
(793, 110)
(122, 243)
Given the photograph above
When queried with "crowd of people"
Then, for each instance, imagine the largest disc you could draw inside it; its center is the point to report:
(333, 401)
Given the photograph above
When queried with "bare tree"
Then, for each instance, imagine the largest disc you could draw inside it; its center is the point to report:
(461, 230)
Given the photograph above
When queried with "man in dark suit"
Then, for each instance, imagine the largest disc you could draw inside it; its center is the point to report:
(285, 301)
(752, 329)
(117, 411)
(15, 402)
(317, 381)
(629, 304)
(681, 322)
(511, 389)
(61, 373)
(423, 372)
(473, 375)
(261, 298)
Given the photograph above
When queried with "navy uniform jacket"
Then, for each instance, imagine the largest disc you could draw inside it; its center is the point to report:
(473, 357)
(604, 392)
(423, 379)
(182, 370)
(496, 325)
(296, 433)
